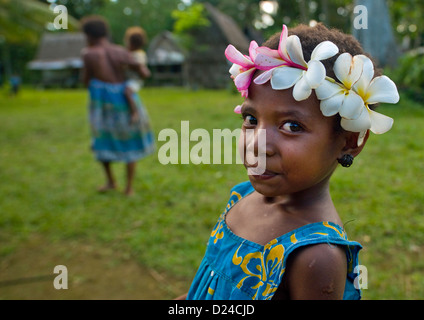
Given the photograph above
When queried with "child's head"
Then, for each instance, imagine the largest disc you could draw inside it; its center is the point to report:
(95, 27)
(135, 38)
(300, 149)
(310, 37)
(306, 84)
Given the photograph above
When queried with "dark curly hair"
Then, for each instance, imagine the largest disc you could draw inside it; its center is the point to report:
(310, 37)
(135, 37)
(95, 26)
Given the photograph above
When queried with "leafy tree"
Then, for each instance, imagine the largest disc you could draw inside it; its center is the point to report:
(154, 16)
(248, 15)
(22, 21)
(407, 21)
(81, 8)
(21, 24)
(189, 19)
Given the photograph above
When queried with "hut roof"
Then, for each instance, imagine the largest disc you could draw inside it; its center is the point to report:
(59, 51)
(229, 28)
(164, 50)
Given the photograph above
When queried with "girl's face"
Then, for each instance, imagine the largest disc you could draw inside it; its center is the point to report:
(301, 148)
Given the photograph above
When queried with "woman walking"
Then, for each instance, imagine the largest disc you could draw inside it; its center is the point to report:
(116, 136)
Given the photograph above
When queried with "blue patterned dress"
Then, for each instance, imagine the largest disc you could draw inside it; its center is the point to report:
(113, 137)
(234, 268)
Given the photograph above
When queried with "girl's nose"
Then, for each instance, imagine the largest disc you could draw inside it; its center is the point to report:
(265, 140)
(270, 143)
(259, 143)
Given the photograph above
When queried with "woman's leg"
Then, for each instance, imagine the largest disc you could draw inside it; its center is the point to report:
(130, 178)
(110, 180)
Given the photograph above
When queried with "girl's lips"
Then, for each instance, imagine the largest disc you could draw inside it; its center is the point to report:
(262, 175)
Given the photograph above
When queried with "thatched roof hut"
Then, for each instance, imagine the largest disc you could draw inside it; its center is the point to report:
(204, 64)
(59, 58)
(207, 65)
(166, 60)
(230, 31)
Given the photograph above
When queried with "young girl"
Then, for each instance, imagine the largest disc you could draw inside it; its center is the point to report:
(135, 40)
(114, 136)
(280, 236)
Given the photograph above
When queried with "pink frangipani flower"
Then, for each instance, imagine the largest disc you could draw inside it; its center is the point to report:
(268, 59)
(286, 66)
(349, 95)
(243, 67)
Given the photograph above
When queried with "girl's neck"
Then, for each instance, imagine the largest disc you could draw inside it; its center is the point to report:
(307, 203)
(132, 48)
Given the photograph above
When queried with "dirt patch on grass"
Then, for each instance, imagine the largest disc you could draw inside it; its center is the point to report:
(94, 272)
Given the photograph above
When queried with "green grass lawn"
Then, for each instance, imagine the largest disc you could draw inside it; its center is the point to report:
(49, 177)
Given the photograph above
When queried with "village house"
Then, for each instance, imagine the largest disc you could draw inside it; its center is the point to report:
(58, 59)
(204, 65)
(207, 65)
(167, 61)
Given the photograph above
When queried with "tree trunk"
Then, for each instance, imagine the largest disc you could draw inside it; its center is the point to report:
(377, 39)
(303, 10)
(325, 12)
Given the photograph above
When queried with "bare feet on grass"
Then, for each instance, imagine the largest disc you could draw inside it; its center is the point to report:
(129, 191)
(106, 188)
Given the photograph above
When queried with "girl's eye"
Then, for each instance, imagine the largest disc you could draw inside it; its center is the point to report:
(250, 120)
(292, 127)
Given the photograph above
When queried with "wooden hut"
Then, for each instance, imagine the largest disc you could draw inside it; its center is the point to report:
(204, 65)
(166, 60)
(207, 65)
(59, 59)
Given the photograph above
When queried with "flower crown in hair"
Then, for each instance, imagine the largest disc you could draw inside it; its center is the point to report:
(350, 96)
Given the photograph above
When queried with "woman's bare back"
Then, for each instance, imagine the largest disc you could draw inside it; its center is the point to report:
(106, 62)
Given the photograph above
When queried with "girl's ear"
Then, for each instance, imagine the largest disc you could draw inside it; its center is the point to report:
(351, 146)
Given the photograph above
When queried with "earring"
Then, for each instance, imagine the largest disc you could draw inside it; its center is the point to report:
(346, 161)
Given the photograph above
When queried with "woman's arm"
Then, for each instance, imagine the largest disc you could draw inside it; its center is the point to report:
(85, 75)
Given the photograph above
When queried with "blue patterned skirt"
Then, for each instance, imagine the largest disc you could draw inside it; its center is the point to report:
(113, 137)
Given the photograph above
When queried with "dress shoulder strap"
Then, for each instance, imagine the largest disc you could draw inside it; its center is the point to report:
(238, 192)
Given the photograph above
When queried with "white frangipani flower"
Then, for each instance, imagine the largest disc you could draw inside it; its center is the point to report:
(372, 91)
(304, 76)
(358, 90)
(349, 95)
(341, 98)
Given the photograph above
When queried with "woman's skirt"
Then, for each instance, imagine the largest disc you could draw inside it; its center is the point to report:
(114, 138)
